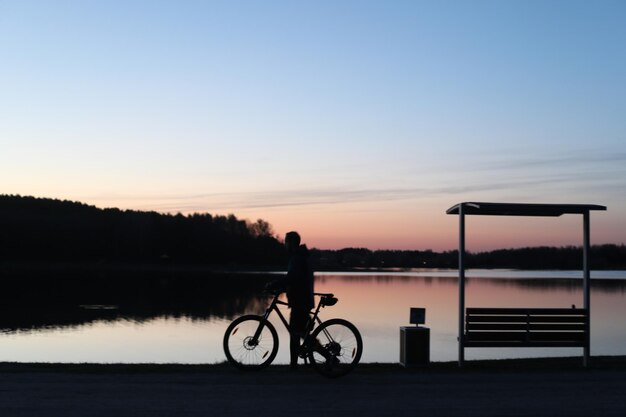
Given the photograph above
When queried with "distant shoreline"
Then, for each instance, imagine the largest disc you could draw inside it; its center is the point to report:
(87, 266)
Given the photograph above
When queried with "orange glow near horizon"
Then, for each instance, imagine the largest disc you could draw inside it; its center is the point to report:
(409, 226)
(439, 232)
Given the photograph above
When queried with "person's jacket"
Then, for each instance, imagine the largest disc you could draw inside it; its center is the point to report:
(299, 280)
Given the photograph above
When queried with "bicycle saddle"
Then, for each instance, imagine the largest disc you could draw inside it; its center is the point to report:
(329, 301)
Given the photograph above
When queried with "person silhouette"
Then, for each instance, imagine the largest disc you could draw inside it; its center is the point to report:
(298, 284)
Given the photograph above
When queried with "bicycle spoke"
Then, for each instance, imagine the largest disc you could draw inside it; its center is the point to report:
(243, 349)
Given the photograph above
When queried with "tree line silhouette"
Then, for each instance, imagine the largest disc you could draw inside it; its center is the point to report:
(607, 256)
(45, 229)
(50, 230)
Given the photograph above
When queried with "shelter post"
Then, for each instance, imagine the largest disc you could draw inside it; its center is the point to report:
(586, 288)
(461, 284)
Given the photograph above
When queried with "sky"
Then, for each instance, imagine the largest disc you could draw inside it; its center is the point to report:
(357, 123)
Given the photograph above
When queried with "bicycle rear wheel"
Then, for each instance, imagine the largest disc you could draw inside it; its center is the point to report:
(337, 348)
(243, 350)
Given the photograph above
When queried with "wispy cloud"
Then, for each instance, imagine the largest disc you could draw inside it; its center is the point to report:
(576, 173)
(318, 197)
(571, 160)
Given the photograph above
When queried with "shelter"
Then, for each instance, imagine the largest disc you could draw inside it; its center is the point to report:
(517, 209)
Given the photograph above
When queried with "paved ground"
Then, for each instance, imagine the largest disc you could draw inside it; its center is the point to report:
(370, 391)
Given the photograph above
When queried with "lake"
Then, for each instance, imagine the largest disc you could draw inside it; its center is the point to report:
(181, 319)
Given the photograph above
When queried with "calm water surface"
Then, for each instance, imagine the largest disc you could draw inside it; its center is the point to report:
(377, 303)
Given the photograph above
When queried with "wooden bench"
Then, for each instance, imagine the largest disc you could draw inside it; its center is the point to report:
(526, 327)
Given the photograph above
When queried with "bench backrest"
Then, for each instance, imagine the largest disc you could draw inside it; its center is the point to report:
(526, 327)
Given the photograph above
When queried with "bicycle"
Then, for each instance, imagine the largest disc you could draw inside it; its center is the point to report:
(333, 347)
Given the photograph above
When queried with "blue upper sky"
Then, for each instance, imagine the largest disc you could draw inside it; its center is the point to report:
(357, 123)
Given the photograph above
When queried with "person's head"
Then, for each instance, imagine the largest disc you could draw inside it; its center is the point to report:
(292, 241)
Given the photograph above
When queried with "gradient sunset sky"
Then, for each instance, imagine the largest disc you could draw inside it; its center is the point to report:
(356, 123)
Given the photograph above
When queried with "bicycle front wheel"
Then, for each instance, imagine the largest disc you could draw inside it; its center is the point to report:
(337, 348)
(243, 349)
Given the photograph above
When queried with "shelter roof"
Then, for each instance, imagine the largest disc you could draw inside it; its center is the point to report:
(522, 209)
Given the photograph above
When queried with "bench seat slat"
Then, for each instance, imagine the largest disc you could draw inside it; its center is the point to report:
(523, 311)
(525, 319)
(525, 326)
(525, 336)
(510, 344)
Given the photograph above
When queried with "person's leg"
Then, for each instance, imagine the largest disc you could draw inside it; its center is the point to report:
(294, 347)
(297, 324)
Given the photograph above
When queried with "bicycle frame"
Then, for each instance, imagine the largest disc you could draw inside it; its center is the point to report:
(274, 307)
(332, 347)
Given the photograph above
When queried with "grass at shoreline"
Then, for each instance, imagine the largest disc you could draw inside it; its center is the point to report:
(563, 364)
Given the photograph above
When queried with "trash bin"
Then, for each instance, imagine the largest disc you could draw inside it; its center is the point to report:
(414, 346)
(415, 341)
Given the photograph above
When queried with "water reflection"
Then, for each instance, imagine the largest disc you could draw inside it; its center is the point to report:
(546, 283)
(181, 317)
(35, 302)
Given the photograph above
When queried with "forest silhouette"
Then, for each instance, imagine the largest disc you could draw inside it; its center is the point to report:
(607, 256)
(45, 231)
(41, 229)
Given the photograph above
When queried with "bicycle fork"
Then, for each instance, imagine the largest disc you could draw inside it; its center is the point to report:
(254, 340)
